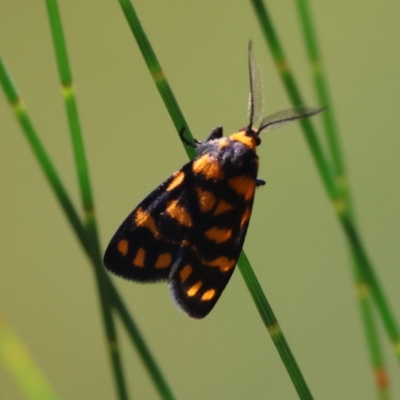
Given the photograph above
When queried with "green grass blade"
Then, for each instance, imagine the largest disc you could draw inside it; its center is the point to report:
(87, 200)
(111, 333)
(379, 368)
(321, 85)
(70, 104)
(274, 329)
(372, 282)
(157, 73)
(339, 202)
(39, 151)
(22, 367)
(61, 194)
(86, 192)
(332, 134)
(137, 340)
(244, 266)
(45, 162)
(282, 65)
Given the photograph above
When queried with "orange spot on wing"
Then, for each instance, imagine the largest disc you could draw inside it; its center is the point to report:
(218, 235)
(178, 212)
(194, 289)
(206, 199)
(138, 261)
(244, 139)
(208, 295)
(185, 272)
(223, 263)
(245, 216)
(208, 167)
(143, 219)
(222, 206)
(163, 261)
(177, 179)
(123, 247)
(244, 185)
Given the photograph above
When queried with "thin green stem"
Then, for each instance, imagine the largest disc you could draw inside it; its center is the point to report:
(137, 340)
(371, 280)
(85, 190)
(341, 207)
(177, 117)
(282, 65)
(157, 73)
(321, 86)
(70, 103)
(379, 369)
(40, 153)
(73, 218)
(274, 329)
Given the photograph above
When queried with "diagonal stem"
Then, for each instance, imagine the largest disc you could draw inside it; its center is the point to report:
(363, 296)
(85, 190)
(339, 202)
(255, 289)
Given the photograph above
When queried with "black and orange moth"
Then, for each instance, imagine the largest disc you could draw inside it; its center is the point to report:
(190, 230)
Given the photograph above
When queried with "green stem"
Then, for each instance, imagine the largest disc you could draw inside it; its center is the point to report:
(274, 329)
(73, 218)
(379, 369)
(370, 279)
(282, 65)
(137, 340)
(320, 84)
(177, 117)
(85, 191)
(40, 153)
(70, 103)
(157, 73)
(339, 202)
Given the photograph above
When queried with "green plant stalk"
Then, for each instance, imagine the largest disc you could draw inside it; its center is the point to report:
(379, 370)
(67, 206)
(85, 190)
(34, 141)
(318, 74)
(274, 329)
(93, 232)
(22, 367)
(65, 74)
(339, 202)
(157, 73)
(178, 120)
(321, 86)
(138, 341)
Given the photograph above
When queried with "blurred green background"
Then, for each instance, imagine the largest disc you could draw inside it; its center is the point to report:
(294, 242)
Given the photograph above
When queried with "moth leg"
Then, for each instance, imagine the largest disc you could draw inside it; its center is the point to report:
(185, 141)
(260, 182)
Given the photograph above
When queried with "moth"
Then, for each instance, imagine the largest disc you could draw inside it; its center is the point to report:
(190, 230)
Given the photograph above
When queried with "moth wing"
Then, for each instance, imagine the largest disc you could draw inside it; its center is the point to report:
(204, 266)
(196, 286)
(145, 246)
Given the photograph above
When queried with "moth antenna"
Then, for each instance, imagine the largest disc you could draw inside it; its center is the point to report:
(255, 104)
(280, 118)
